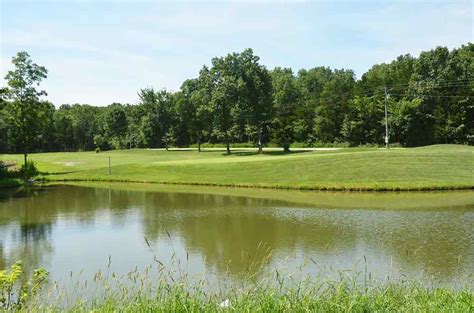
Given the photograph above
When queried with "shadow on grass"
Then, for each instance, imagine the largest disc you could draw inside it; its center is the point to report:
(180, 149)
(58, 173)
(250, 153)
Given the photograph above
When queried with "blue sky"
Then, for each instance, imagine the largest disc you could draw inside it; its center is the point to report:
(99, 52)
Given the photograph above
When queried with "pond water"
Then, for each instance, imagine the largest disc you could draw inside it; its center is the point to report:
(223, 232)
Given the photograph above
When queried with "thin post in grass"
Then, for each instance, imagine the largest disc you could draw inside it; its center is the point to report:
(386, 119)
(110, 170)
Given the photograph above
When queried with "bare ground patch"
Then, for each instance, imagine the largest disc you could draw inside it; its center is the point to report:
(12, 166)
(67, 163)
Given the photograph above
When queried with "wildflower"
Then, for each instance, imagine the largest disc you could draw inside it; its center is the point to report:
(225, 304)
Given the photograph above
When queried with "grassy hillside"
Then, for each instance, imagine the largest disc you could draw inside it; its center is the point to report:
(433, 167)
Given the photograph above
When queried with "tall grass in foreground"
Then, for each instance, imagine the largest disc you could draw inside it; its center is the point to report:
(316, 296)
(160, 289)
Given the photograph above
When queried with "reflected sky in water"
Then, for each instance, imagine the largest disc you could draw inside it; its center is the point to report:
(77, 228)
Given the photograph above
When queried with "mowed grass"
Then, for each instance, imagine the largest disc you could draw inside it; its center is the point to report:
(432, 167)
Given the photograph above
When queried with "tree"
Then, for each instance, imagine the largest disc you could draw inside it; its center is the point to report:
(333, 105)
(134, 115)
(63, 128)
(363, 121)
(411, 124)
(23, 110)
(159, 115)
(4, 142)
(224, 96)
(84, 127)
(236, 99)
(169, 139)
(442, 79)
(310, 86)
(194, 107)
(116, 125)
(255, 93)
(285, 100)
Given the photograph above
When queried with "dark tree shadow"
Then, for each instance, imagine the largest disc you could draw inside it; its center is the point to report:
(59, 173)
(250, 153)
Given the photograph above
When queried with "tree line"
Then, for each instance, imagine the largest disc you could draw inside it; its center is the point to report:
(236, 99)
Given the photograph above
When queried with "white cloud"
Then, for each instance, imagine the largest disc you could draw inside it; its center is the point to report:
(99, 54)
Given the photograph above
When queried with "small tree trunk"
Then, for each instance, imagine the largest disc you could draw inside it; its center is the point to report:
(260, 151)
(226, 138)
(25, 155)
(286, 148)
(199, 143)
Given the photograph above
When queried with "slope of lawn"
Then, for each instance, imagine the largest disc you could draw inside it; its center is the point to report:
(432, 167)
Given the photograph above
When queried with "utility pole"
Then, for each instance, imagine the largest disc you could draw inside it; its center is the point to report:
(386, 119)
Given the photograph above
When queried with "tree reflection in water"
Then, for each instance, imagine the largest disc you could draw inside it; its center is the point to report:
(231, 234)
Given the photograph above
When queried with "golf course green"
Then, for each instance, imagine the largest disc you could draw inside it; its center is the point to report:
(424, 168)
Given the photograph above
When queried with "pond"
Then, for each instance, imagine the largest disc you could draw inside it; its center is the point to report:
(222, 233)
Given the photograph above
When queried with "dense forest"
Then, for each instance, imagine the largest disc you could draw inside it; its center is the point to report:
(430, 99)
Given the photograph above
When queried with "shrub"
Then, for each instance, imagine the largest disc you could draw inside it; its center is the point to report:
(97, 150)
(470, 140)
(14, 292)
(3, 170)
(29, 170)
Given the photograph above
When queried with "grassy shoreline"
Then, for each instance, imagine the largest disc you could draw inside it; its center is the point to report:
(263, 186)
(393, 298)
(10, 183)
(171, 289)
(175, 291)
(439, 167)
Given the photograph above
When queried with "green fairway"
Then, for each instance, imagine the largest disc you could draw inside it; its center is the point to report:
(432, 167)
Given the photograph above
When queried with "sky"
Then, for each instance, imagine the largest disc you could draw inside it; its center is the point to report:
(100, 52)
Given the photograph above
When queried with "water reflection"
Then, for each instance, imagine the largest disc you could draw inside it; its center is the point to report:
(71, 228)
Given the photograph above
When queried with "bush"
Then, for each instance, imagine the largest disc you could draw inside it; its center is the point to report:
(97, 150)
(3, 170)
(14, 291)
(470, 140)
(29, 170)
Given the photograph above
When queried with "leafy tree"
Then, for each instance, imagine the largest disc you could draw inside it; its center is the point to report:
(22, 113)
(224, 96)
(63, 128)
(83, 118)
(169, 139)
(116, 125)
(236, 99)
(194, 105)
(158, 115)
(310, 86)
(330, 112)
(4, 142)
(44, 139)
(134, 115)
(285, 100)
(255, 93)
(363, 122)
(411, 124)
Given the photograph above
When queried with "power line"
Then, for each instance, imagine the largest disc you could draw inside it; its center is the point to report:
(373, 93)
(458, 85)
(431, 95)
(439, 82)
